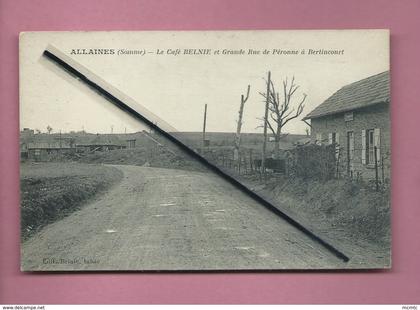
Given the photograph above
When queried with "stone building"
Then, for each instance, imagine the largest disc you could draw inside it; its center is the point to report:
(356, 118)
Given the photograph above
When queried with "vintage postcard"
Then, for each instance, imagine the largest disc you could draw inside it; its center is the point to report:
(205, 150)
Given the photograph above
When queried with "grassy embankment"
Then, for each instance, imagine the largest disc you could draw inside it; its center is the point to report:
(161, 157)
(51, 191)
(352, 216)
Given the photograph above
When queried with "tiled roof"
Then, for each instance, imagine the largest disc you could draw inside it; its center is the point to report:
(360, 94)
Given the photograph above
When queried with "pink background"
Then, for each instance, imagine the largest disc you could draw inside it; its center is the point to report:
(401, 285)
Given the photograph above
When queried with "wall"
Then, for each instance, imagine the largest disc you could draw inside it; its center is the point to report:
(376, 116)
(49, 154)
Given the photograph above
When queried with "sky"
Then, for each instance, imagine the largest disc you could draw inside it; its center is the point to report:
(175, 87)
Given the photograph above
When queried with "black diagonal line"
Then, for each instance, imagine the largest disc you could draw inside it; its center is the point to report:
(192, 153)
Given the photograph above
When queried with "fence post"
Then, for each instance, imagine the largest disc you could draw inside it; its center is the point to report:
(338, 162)
(250, 161)
(239, 163)
(376, 169)
(245, 164)
(382, 166)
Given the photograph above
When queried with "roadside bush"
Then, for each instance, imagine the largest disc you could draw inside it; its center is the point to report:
(312, 162)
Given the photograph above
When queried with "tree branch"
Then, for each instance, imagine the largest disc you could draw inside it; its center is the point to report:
(271, 128)
(298, 111)
(282, 113)
(247, 93)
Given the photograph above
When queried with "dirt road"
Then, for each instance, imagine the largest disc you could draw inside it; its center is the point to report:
(164, 219)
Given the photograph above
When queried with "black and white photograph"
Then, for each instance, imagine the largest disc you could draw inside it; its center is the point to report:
(205, 150)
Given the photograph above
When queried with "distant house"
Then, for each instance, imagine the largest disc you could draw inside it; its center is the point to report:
(136, 139)
(26, 133)
(101, 143)
(131, 143)
(356, 119)
(45, 151)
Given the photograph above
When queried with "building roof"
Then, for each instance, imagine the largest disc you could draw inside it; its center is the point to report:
(360, 94)
(48, 145)
(103, 140)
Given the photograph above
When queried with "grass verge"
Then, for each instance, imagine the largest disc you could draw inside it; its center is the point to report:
(351, 216)
(51, 191)
(340, 205)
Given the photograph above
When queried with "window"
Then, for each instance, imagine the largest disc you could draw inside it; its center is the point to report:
(37, 152)
(370, 142)
(318, 138)
(350, 152)
(334, 138)
(370, 147)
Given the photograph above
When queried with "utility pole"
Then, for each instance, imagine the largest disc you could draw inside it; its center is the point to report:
(264, 150)
(204, 125)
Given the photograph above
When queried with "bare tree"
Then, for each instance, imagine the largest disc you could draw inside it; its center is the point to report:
(239, 126)
(282, 109)
(49, 129)
(264, 149)
(204, 126)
